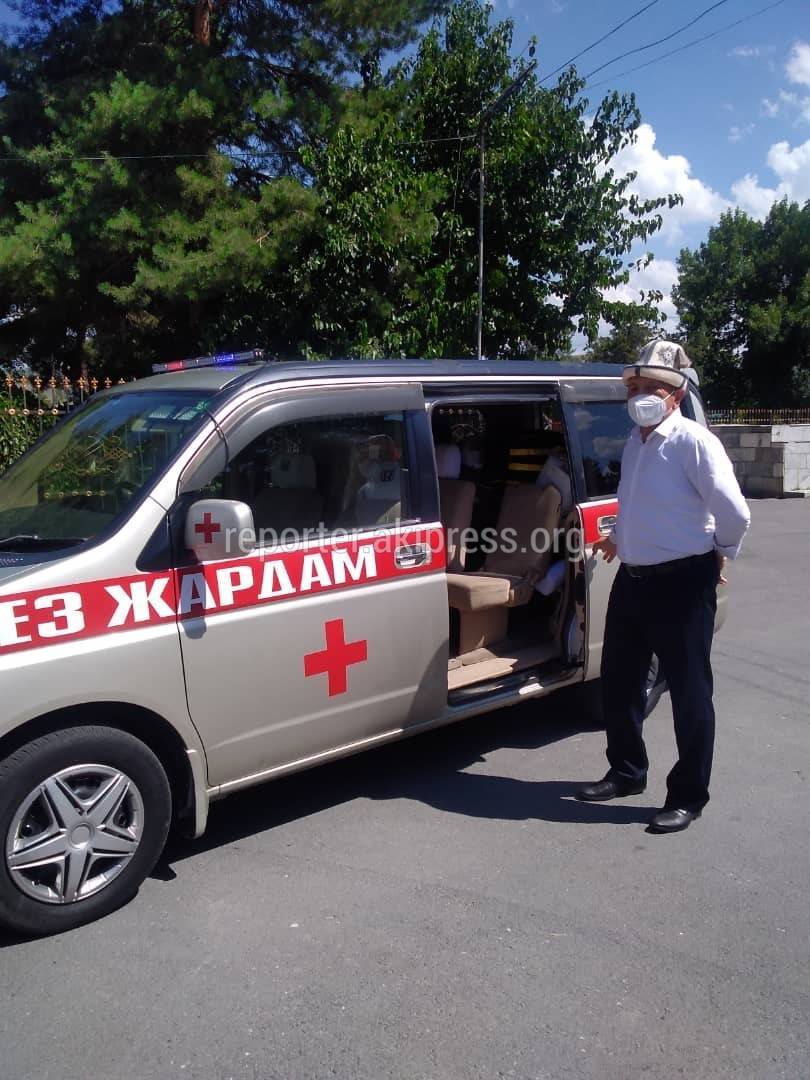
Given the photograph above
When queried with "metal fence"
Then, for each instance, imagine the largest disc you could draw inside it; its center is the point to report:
(758, 416)
(38, 398)
(30, 405)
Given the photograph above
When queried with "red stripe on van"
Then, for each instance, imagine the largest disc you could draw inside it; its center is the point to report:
(592, 514)
(72, 612)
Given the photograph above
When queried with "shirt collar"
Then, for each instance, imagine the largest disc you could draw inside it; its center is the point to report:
(667, 426)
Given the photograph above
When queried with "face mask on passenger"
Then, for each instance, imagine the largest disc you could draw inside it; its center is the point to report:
(647, 410)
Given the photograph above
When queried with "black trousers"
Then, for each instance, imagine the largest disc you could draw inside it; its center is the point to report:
(671, 615)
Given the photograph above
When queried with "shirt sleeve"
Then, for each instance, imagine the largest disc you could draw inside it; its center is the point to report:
(712, 474)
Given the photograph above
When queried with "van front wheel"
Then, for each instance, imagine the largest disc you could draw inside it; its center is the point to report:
(84, 815)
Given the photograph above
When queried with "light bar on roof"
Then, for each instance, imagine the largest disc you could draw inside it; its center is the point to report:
(250, 356)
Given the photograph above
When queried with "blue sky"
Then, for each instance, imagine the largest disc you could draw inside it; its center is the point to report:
(726, 122)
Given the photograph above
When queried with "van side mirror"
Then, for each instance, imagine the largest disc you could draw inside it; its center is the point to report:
(219, 529)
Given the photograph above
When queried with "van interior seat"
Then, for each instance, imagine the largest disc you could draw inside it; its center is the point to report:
(292, 501)
(456, 500)
(528, 518)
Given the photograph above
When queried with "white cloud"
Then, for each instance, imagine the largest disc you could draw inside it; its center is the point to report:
(660, 174)
(660, 274)
(745, 51)
(769, 108)
(737, 133)
(752, 198)
(792, 168)
(794, 101)
(797, 67)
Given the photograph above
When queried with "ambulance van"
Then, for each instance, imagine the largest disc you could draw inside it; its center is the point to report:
(236, 569)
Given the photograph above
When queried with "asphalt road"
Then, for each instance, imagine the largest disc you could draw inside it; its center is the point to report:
(443, 908)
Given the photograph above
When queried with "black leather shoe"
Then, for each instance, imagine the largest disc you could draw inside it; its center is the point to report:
(606, 789)
(673, 820)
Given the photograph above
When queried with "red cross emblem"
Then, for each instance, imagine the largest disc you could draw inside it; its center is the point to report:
(335, 659)
(207, 527)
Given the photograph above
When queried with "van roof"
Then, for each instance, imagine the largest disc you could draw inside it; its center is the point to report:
(279, 371)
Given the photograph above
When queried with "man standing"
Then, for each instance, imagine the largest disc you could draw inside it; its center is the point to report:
(681, 514)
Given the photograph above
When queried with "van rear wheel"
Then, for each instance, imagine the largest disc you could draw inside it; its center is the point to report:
(84, 815)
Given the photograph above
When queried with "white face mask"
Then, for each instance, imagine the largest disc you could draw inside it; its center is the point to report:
(647, 410)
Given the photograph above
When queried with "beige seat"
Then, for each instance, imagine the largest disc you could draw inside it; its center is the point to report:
(526, 524)
(456, 498)
(456, 505)
(292, 501)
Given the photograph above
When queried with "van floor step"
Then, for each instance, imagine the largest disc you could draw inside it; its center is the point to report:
(494, 666)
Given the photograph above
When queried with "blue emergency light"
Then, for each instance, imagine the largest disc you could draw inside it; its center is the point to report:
(250, 356)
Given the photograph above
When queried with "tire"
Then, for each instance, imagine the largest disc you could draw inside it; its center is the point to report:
(84, 815)
(656, 685)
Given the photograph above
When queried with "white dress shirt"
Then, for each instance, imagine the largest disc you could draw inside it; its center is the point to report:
(678, 495)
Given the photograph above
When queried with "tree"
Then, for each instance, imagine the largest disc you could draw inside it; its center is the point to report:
(559, 223)
(196, 174)
(621, 346)
(155, 161)
(743, 299)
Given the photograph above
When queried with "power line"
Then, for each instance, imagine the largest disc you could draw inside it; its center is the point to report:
(151, 157)
(660, 41)
(604, 37)
(248, 156)
(687, 45)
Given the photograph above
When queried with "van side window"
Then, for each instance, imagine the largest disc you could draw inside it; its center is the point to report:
(327, 474)
(603, 428)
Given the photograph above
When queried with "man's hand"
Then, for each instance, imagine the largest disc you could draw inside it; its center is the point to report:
(606, 547)
(721, 565)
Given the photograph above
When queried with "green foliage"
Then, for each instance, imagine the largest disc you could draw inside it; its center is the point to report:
(394, 267)
(744, 303)
(17, 432)
(621, 346)
(275, 187)
(126, 259)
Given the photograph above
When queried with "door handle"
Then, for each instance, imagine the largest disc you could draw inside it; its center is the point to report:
(410, 555)
(605, 523)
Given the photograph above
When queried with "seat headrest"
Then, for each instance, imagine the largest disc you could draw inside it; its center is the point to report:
(448, 461)
(293, 471)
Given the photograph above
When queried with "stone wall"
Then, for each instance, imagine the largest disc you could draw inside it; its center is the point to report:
(769, 459)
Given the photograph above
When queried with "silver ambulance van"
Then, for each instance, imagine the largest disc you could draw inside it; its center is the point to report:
(233, 570)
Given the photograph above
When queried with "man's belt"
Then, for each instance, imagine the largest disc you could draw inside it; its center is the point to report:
(666, 567)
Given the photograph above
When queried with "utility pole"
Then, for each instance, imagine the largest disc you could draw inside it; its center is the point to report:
(486, 116)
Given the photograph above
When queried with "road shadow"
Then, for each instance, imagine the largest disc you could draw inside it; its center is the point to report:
(429, 768)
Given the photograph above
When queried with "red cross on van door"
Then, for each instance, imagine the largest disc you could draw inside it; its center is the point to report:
(207, 527)
(334, 661)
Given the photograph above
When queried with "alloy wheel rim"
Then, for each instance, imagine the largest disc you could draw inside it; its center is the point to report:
(74, 834)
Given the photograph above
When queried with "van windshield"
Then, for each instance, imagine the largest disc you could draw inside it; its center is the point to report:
(91, 470)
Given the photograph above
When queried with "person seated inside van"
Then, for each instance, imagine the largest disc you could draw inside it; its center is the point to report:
(379, 499)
